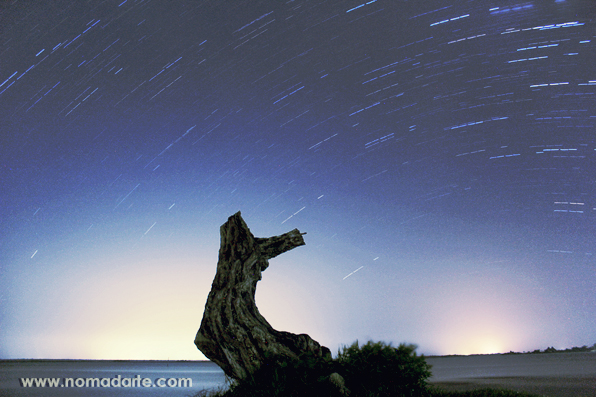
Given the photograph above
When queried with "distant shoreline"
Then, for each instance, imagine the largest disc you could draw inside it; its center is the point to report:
(550, 350)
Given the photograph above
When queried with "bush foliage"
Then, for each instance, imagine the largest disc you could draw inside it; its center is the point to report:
(280, 376)
(374, 369)
(379, 369)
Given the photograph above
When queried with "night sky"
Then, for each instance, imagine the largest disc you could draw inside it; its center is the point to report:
(440, 155)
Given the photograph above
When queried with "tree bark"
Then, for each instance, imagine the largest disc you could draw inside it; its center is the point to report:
(233, 333)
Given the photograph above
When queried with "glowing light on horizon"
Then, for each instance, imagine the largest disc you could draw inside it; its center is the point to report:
(128, 308)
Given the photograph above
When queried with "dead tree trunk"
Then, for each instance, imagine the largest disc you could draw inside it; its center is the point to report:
(233, 333)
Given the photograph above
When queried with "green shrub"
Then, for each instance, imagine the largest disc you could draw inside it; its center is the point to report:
(284, 377)
(374, 369)
(378, 369)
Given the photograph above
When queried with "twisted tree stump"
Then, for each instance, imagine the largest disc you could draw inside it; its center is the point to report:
(233, 333)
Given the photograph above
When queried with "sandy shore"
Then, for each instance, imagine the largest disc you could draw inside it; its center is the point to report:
(549, 386)
(550, 375)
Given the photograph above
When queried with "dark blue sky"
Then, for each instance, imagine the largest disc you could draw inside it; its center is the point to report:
(440, 155)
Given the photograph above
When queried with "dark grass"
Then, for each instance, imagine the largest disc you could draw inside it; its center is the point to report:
(374, 369)
(484, 392)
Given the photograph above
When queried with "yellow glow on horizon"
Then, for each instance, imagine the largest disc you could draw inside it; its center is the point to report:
(151, 307)
(488, 312)
(147, 308)
(153, 313)
(480, 345)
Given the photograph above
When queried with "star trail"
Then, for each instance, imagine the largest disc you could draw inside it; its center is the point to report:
(440, 155)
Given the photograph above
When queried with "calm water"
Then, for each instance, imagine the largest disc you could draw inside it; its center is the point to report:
(207, 375)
